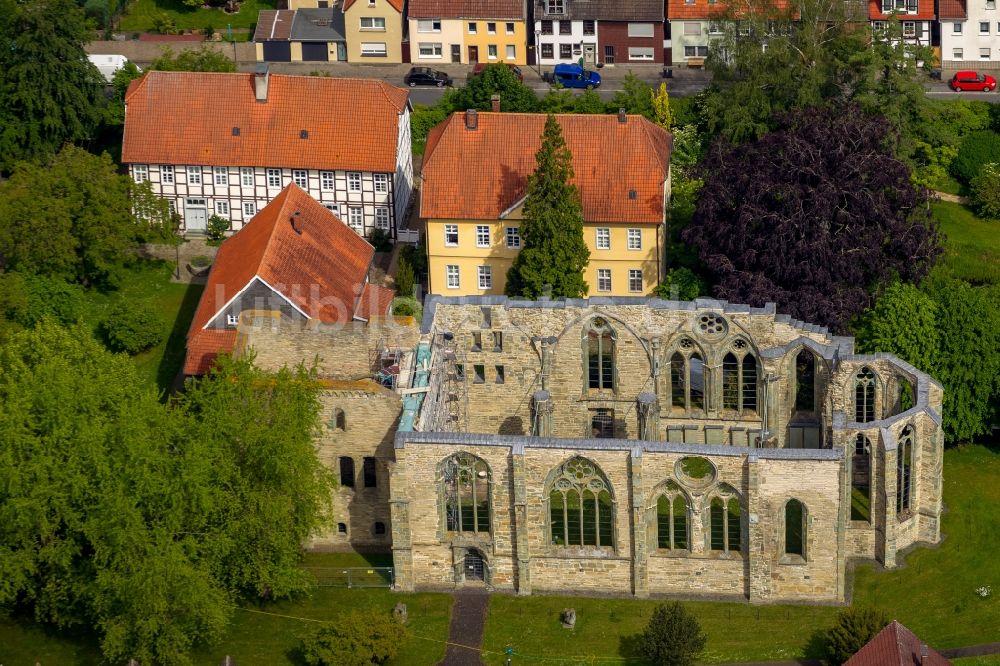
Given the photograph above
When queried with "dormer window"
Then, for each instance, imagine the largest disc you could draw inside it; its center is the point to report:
(555, 7)
(232, 320)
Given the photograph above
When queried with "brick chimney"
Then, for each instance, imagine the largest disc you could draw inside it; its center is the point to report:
(495, 103)
(471, 119)
(924, 653)
(260, 80)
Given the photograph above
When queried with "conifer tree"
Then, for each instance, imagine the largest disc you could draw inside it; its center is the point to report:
(661, 107)
(553, 253)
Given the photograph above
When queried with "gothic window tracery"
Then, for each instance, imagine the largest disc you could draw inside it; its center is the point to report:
(466, 488)
(687, 377)
(739, 378)
(581, 505)
(672, 524)
(599, 342)
(865, 383)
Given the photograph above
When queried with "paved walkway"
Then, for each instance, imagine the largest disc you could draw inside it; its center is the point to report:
(953, 198)
(465, 634)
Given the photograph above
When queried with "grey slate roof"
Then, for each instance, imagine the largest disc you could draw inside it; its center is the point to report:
(604, 10)
(318, 25)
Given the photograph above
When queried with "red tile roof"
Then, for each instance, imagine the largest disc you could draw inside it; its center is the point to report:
(896, 646)
(952, 9)
(204, 347)
(709, 9)
(479, 174)
(925, 12)
(481, 9)
(396, 4)
(188, 118)
(322, 271)
(375, 302)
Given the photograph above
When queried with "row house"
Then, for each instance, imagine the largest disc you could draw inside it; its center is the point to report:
(467, 31)
(603, 32)
(692, 25)
(227, 143)
(916, 16)
(474, 183)
(356, 31)
(970, 33)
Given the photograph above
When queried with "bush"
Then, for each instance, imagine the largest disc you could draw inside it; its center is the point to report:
(673, 636)
(416, 256)
(201, 261)
(164, 24)
(359, 638)
(404, 277)
(407, 307)
(217, 227)
(381, 240)
(977, 149)
(853, 628)
(985, 189)
(680, 284)
(26, 300)
(131, 328)
(422, 119)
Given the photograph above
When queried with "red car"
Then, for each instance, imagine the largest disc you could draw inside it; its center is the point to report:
(478, 69)
(972, 81)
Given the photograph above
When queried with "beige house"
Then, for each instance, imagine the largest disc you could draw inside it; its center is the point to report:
(357, 31)
(374, 31)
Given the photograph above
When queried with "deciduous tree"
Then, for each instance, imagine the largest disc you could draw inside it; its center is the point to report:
(816, 216)
(904, 322)
(358, 638)
(553, 253)
(203, 59)
(495, 79)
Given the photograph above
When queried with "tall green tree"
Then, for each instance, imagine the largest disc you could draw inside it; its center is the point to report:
(673, 636)
(661, 107)
(904, 322)
(74, 217)
(203, 59)
(495, 79)
(553, 253)
(635, 96)
(50, 93)
(854, 627)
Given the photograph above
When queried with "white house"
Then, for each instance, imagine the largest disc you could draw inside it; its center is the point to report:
(970, 34)
(227, 144)
(108, 64)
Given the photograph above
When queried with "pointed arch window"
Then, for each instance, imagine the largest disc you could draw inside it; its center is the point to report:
(795, 528)
(687, 377)
(864, 395)
(725, 533)
(672, 519)
(861, 499)
(600, 350)
(805, 381)
(581, 506)
(739, 378)
(466, 488)
(904, 470)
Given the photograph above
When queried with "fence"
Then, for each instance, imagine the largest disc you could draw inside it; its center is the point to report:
(407, 236)
(350, 577)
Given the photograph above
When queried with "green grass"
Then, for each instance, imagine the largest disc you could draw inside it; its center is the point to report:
(933, 594)
(991, 660)
(148, 283)
(971, 244)
(139, 15)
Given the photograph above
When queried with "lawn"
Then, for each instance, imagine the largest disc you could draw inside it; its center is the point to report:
(139, 15)
(933, 594)
(148, 283)
(972, 244)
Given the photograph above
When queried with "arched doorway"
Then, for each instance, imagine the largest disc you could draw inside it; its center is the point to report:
(475, 567)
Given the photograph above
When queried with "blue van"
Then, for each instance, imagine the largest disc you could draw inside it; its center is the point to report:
(574, 76)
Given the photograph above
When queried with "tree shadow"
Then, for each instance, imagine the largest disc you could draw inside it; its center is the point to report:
(628, 648)
(167, 374)
(817, 648)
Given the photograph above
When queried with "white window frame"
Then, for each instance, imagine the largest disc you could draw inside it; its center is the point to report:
(374, 49)
(353, 181)
(984, 27)
(140, 173)
(635, 239)
(382, 220)
(222, 208)
(602, 238)
(491, 28)
(555, 7)
(485, 277)
(910, 28)
(429, 25)
(327, 181)
(356, 218)
(194, 175)
(381, 183)
(957, 54)
(692, 29)
(274, 178)
(635, 274)
(511, 52)
(167, 174)
(220, 176)
(372, 24)
(431, 49)
(603, 280)
(646, 30)
(300, 177)
(514, 238)
(984, 54)
(956, 28)
(640, 53)
(991, 4)
(472, 27)
(249, 209)
(232, 319)
(492, 51)
(247, 176)
(453, 279)
(509, 28)
(333, 208)
(450, 230)
(483, 235)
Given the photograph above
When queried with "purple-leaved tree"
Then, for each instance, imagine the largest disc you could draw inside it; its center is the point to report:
(814, 216)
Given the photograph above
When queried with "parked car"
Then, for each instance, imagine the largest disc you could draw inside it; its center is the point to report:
(574, 76)
(515, 70)
(972, 81)
(425, 76)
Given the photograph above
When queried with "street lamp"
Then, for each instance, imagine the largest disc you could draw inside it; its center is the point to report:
(538, 52)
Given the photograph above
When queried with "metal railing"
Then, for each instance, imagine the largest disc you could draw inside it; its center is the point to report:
(351, 577)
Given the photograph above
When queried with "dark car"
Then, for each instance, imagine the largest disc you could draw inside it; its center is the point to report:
(514, 69)
(972, 81)
(425, 76)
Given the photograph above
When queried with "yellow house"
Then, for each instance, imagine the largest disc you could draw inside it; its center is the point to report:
(374, 31)
(475, 172)
(467, 31)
